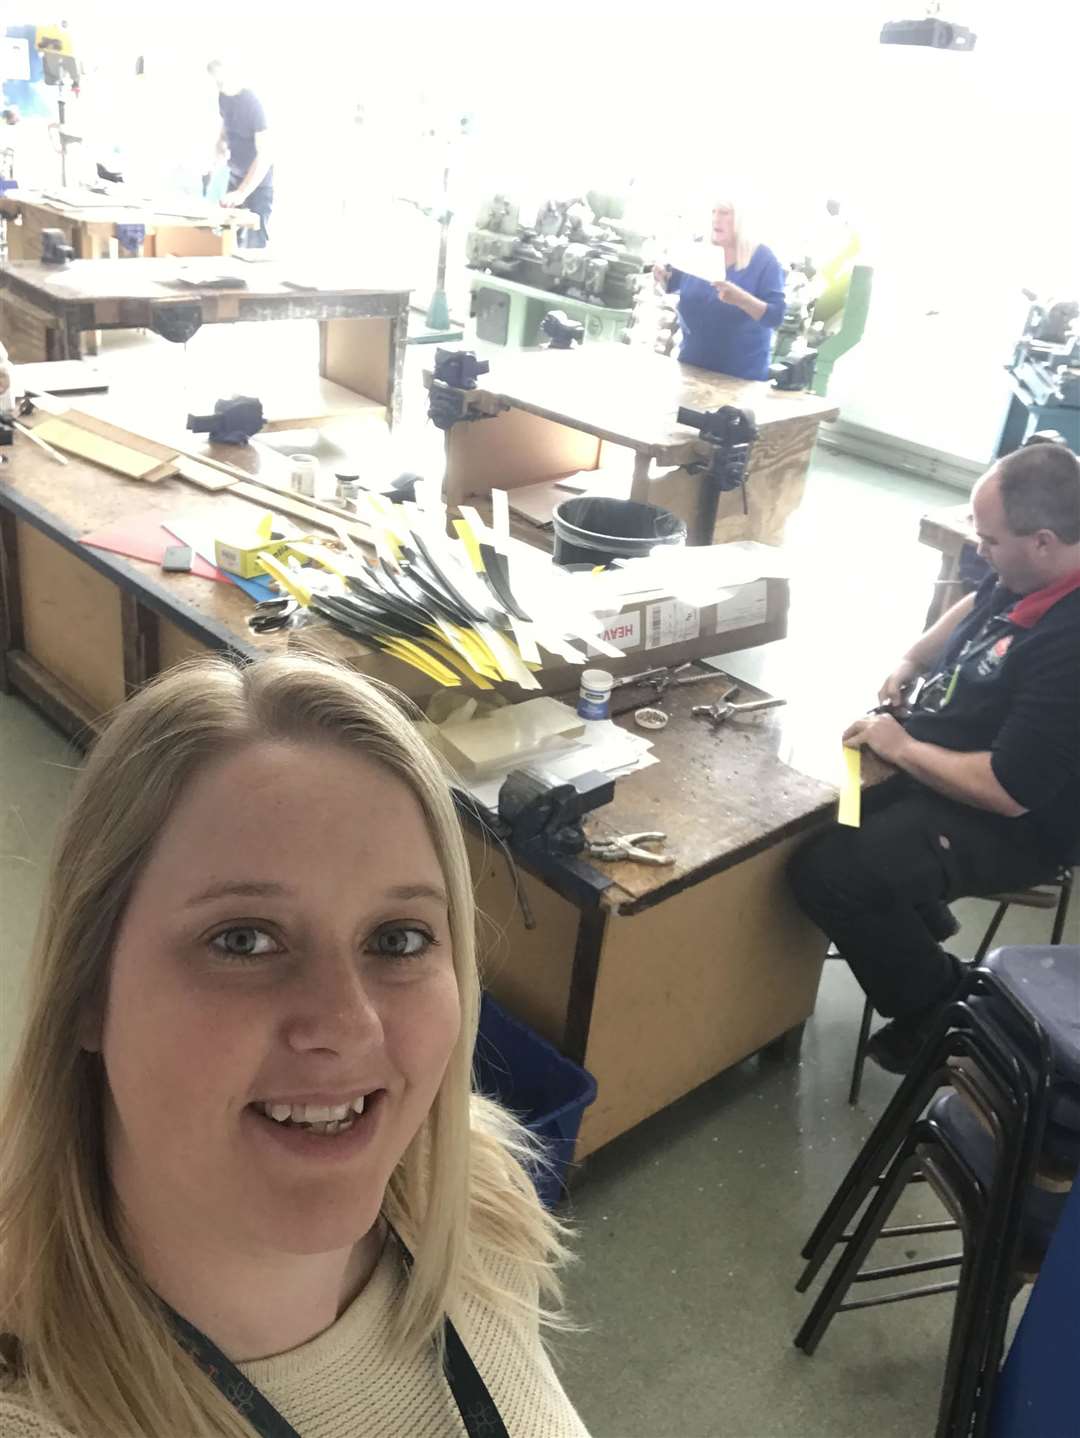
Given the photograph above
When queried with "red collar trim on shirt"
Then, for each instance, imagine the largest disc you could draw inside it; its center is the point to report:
(1028, 611)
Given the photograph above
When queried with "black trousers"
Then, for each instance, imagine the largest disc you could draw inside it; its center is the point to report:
(864, 886)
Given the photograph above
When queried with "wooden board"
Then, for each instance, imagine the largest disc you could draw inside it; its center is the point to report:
(60, 377)
(175, 645)
(358, 355)
(108, 453)
(23, 332)
(302, 401)
(38, 210)
(686, 990)
(203, 475)
(527, 970)
(100, 280)
(71, 621)
(775, 484)
(631, 397)
(948, 529)
(510, 450)
(175, 239)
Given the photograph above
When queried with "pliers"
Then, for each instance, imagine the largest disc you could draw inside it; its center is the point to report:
(623, 848)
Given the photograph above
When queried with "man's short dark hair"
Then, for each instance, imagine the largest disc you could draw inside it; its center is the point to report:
(1040, 489)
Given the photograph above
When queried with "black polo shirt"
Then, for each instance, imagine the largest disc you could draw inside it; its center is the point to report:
(1009, 682)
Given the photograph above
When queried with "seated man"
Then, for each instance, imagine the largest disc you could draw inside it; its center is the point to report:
(989, 792)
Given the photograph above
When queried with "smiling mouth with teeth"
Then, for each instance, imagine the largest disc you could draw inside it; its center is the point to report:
(315, 1119)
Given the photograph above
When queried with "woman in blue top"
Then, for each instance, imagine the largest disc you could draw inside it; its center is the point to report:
(728, 324)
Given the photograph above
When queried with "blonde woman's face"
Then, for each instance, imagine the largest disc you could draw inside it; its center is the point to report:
(723, 225)
(287, 944)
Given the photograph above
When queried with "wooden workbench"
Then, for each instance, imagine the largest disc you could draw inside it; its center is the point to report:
(362, 330)
(90, 228)
(668, 976)
(950, 532)
(655, 979)
(549, 412)
(93, 231)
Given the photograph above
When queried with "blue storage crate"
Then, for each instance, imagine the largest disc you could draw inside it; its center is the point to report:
(532, 1078)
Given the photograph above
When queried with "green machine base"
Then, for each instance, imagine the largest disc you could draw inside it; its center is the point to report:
(509, 313)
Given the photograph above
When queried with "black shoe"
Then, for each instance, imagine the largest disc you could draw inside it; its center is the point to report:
(940, 920)
(897, 1045)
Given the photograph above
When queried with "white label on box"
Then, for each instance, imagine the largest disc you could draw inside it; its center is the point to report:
(624, 631)
(14, 58)
(671, 622)
(748, 606)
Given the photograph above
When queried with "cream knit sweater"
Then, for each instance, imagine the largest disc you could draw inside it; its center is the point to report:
(347, 1381)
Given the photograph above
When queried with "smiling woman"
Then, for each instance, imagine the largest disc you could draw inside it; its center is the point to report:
(244, 1185)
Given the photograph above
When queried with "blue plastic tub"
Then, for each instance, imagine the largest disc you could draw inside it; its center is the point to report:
(547, 1091)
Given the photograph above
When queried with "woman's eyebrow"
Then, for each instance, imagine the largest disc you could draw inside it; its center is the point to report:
(238, 888)
(418, 891)
(261, 889)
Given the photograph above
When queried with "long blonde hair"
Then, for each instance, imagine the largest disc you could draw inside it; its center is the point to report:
(83, 1337)
(746, 240)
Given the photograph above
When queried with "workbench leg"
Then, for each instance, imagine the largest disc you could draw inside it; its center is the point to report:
(139, 630)
(948, 588)
(63, 341)
(639, 484)
(399, 334)
(590, 939)
(11, 621)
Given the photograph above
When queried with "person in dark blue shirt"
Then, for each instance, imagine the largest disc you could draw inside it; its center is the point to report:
(245, 139)
(988, 795)
(729, 317)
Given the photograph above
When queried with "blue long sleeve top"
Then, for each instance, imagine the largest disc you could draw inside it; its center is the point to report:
(719, 336)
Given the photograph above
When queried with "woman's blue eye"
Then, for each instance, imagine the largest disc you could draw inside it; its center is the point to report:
(402, 941)
(244, 942)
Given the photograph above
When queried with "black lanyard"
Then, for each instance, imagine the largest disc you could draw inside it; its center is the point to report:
(936, 694)
(470, 1393)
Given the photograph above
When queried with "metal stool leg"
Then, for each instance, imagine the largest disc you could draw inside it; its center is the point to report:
(860, 1053)
(1063, 906)
(853, 1254)
(991, 933)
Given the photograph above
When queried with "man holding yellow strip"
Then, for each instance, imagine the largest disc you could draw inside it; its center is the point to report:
(988, 796)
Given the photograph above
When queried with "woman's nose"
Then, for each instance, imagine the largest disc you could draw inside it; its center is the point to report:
(334, 1006)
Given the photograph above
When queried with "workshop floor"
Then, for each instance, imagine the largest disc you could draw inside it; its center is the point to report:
(689, 1229)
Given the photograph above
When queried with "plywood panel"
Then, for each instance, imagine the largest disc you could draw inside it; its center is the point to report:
(358, 355)
(71, 620)
(692, 986)
(73, 440)
(527, 970)
(512, 449)
(23, 332)
(775, 482)
(176, 644)
(188, 240)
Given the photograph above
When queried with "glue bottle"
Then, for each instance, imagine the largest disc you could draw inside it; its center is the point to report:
(7, 386)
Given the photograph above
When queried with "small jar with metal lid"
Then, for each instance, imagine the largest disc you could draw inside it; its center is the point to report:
(594, 699)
